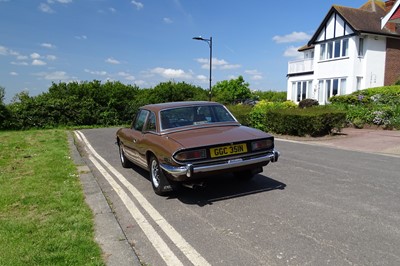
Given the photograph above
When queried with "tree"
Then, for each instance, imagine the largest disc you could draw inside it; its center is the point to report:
(270, 96)
(173, 92)
(231, 91)
(4, 113)
(2, 94)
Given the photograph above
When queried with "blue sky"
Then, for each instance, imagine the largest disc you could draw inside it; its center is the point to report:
(145, 42)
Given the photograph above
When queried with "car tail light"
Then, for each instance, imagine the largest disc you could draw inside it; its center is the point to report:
(191, 155)
(262, 144)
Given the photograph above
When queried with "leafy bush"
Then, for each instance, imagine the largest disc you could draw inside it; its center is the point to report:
(241, 112)
(306, 103)
(90, 103)
(375, 106)
(231, 91)
(259, 112)
(310, 121)
(270, 96)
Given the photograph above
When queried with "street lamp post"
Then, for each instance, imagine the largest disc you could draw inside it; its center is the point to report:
(209, 41)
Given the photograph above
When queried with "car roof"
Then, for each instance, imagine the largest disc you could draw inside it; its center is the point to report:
(160, 106)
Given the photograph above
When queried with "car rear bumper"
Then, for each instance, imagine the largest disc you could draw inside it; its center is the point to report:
(189, 170)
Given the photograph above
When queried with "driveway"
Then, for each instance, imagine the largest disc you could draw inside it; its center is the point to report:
(365, 140)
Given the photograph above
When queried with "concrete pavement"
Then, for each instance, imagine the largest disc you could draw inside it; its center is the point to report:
(117, 251)
(364, 140)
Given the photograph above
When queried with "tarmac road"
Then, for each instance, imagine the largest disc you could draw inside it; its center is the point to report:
(318, 205)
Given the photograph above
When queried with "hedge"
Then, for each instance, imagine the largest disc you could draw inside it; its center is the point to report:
(301, 122)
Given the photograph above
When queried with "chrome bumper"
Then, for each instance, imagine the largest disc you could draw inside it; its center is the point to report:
(189, 170)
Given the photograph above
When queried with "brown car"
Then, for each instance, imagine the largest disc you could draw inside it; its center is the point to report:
(185, 142)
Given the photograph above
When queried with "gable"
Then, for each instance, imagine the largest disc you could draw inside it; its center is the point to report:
(345, 21)
(334, 27)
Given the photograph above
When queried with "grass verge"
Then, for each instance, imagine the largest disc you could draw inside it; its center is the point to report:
(44, 219)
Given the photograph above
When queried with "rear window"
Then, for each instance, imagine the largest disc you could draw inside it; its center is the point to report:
(194, 115)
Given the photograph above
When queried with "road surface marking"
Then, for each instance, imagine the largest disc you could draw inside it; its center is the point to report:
(170, 231)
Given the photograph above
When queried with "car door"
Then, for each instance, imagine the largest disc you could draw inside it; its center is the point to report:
(134, 145)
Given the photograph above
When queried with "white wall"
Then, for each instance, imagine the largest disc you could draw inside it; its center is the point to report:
(374, 57)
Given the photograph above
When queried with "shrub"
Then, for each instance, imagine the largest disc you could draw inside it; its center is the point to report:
(4, 116)
(311, 121)
(306, 103)
(262, 108)
(241, 112)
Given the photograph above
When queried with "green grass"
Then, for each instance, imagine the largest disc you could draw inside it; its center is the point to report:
(43, 217)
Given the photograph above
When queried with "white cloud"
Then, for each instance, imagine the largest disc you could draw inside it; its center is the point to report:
(112, 10)
(81, 37)
(48, 45)
(167, 20)
(292, 52)
(137, 4)
(255, 74)
(3, 50)
(35, 56)
(19, 63)
(216, 63)
(6, 51)
(60, 1)
(22, 57)
(202, 77)
(292, 37)
(56, 75)
(230, 66)
(37, 62)
(45, 8)
(170, 73)
(127, 76)
(112, 61)
(140, 82)
(13, 73)
(51, 57)
(252, 72)
(98, 73)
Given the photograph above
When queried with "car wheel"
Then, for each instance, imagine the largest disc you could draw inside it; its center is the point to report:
(124, 161)
(159, 181)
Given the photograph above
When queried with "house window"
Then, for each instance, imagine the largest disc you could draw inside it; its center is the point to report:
(322, 52)
(320, 91)
(342, 86)
(345, 47)
(358, 85)
(329, 50)
(361, 47)
(331, 87)
(302, 90)
(334, 49)
(337, 48)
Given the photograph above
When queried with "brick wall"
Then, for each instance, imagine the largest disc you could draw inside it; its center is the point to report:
(392, 67)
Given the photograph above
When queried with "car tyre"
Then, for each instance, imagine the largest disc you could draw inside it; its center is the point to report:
(124, 161)
(159, 181)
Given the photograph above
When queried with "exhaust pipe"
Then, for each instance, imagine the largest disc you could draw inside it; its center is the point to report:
(194, 185)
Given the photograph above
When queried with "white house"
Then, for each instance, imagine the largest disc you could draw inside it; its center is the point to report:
(350, 51)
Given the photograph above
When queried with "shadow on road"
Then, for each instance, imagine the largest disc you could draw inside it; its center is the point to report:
(221, 188)
(227, 188)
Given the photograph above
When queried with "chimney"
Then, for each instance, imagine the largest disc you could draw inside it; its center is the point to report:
(388, 5)
(390, 26)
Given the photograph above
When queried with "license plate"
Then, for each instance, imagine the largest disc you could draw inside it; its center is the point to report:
(228, 150)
